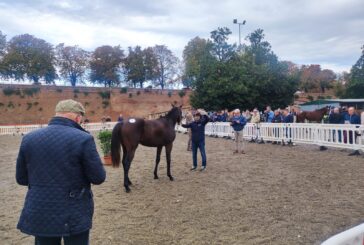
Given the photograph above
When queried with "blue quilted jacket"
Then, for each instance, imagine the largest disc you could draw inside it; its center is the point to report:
(58, 164)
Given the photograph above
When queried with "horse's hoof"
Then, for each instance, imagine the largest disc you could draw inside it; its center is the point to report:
(156, 177)
(127, 190)
(171, 178)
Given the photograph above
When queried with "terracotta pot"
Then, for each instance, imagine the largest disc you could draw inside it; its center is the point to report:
(107, 160)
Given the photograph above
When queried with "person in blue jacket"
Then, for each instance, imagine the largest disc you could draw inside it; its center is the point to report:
(288, 118)
(198, 137)
(269, 114)
(352, 118)
(58, 164)
(238, 123)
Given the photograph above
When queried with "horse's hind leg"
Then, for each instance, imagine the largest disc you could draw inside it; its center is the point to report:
(168, 156)
(157, 160)
(128, 159)
(123, 161)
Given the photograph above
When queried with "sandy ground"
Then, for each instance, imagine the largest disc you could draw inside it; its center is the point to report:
(271, 195)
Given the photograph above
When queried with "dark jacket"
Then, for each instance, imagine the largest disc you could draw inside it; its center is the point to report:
(288, 118)
(198, 129)
(58, 164)
(277, 118)
(336, 118)
(353, 119)
(238, 123)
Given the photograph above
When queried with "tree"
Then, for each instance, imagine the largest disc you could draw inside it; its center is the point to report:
(72, 62)
(29, 57)
(194, 54)
(355, 86)
(134, 66)
(310, 77)
(220, 48)
(2, 44)
(105, 65)
(326, 79)
(166, 65)
(241, 82)
(259, 49)
(150, 64)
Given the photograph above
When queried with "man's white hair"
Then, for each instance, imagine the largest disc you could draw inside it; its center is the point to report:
(237, 111)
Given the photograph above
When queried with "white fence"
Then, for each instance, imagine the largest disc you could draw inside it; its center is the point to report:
(353, 236)
(24, 129)
(335, 135)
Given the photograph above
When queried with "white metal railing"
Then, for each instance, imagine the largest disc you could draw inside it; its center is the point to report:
(353, 236)
(24, 129)
(335, 135)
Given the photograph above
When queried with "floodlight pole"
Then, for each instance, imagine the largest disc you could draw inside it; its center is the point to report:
(235, 21)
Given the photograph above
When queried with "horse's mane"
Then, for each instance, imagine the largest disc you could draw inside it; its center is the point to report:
(169, 113)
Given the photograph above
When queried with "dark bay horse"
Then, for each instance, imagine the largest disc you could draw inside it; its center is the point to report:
(312, 116)
(151, 133)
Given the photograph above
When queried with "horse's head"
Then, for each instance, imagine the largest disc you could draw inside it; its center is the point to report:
(176, 113)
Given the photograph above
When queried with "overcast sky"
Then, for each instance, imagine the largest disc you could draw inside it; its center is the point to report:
(325, 32)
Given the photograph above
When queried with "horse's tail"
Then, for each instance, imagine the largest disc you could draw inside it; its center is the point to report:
(115, 145)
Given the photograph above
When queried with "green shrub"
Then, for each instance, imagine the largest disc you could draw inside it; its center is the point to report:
(329, 97)
(130, 95)
(85, 93)
(29, 106)
(59, 90)
(181, 93)
(76, 91)
(8, 91)
(123, 90)
(75, 96)
(104, 95)
(87, 103)
(169, 93)
(11, 105)
(40, 109)
(320, 97)
(1, 104)
(138, 92)
(310, 97)
(104, 137)
(105, 104)
(36, 103)
(31, 91)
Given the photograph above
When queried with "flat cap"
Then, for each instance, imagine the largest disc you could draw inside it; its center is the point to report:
(70, 106)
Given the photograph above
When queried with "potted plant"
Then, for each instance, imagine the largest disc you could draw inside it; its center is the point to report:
(104, 137)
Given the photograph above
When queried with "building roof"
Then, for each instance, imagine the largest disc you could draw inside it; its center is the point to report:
(331, 101)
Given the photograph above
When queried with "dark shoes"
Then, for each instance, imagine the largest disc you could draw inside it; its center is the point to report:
(203, 168)
(323, 148)
(354, 153)
(193, 168)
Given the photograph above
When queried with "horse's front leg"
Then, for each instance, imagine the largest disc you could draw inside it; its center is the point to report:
(157, 160)
(168, 156)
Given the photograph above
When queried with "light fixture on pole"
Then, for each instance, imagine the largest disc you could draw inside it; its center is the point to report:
(235, 21)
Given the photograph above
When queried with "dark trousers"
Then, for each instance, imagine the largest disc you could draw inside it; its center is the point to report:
(79, 239)
(198, 145)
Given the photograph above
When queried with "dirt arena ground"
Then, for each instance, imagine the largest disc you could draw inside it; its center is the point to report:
(271, 195)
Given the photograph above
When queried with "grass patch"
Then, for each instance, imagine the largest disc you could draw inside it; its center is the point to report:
(181, 93)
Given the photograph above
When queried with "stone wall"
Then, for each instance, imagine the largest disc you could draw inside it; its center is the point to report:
(26, 104)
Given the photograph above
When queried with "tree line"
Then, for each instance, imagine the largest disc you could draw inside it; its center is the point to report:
(28, 57)
(222, 75)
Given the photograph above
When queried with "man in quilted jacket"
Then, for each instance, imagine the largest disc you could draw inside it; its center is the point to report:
(58, 164)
